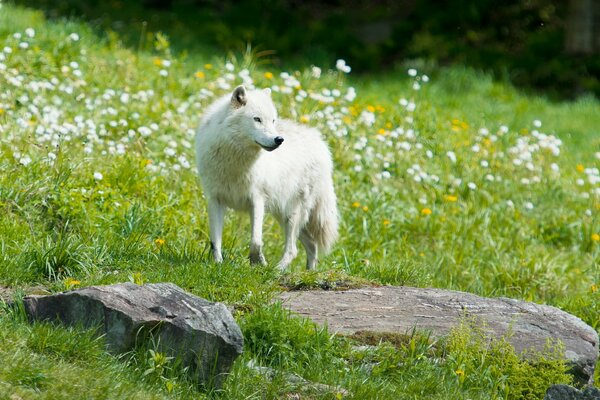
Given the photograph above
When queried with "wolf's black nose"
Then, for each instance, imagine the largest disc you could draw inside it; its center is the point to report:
(278, 140)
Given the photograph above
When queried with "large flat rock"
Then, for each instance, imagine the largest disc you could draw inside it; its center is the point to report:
(202, 334)
(400, 309)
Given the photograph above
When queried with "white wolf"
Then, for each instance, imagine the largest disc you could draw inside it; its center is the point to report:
(250, 160)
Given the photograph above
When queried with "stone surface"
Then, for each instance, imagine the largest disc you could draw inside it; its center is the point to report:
(400, 309)
(566, 392)
(203, 334)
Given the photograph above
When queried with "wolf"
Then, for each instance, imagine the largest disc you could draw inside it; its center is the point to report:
(250, 160)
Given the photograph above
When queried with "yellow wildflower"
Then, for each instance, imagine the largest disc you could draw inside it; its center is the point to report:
(70, 282)
(365, 208)
(200, 75)
(386, 222)
(426, 211)
(379, 108)
(370, 108)
(594, 288)
(353, 110)
(381, 131)
(459, 372)
(595, 237)
(580, 168)
(159, 241)
(208, 66)
(269, 75)
(304, 119)
(157, 61)
(356, 204)
(1, 111)
(451, 198)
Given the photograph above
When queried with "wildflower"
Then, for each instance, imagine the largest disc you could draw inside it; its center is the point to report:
(30, 32)
(386, 222)
(159, 242)
(157, 61)
(426, 211)
(208, 66)
(529, 205)
(304, 119)
(537, 123)
(315, 72)
(412, 72)
(451, 156)
(70, 282)
(74, 37)
(98, 176)
(341, 66)
(163, 72)
(471, 185)
(580, 168)
(356, 204)
(229, 67)
(594, 288)
(199, 75)
(365, 208)
(595, 237)
(269, 75)
(451, 198)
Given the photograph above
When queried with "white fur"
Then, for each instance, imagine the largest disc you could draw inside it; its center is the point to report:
(292, 181)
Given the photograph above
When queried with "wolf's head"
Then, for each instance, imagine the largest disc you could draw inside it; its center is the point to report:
(256, 115)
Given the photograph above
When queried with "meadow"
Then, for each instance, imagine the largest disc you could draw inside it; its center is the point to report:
(445, 178)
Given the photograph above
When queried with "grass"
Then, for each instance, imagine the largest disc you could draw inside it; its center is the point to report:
(464, 184)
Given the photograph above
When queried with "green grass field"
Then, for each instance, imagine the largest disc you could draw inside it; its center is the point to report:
(445, 178)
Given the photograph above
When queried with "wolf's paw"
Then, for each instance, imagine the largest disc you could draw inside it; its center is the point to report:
(258, 258)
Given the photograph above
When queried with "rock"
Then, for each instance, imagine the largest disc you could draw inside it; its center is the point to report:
(566, 392)
(390, 309)
(203, 334)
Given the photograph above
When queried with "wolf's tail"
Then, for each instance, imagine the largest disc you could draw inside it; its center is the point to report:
(324, 220)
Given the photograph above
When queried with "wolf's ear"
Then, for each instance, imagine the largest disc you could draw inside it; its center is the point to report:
(267, 91)
(238, 98)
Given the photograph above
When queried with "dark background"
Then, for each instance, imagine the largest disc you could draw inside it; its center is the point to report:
(538, 45)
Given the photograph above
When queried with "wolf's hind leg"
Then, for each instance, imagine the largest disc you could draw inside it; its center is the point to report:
(311, 249)
(256, 216)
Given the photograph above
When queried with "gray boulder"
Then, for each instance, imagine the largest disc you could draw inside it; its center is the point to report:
(566, 392)
(390, 309)
(202, 334)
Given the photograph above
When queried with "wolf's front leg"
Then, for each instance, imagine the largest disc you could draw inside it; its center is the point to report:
(256, 215)
(216, 214)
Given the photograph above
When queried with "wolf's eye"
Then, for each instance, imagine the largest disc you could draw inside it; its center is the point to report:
(257, 119)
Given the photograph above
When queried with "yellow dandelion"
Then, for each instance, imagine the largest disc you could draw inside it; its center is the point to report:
(455, 128)
(365, 208)
(347, 120)
(269, 75)
(456, 121)
(388, 125)
(304, 119)
(594, 288)
(595, 237)
(70, 282)
(381, 131)
(353, 110)
(370, 108)
(580, 168)
(200, 75)
(464, 125)
(159, 241)
(208, 66)
(426, 211)
(1, 111)
(157, 61)
(459, 372)
(451, 198)
(379, 108)
(356, 204)
(386, 222)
